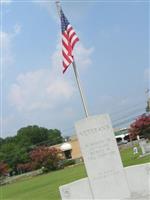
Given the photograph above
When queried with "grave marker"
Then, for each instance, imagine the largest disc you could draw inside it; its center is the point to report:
(101, 157)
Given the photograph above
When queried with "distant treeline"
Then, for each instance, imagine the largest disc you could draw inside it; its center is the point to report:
(15, 150)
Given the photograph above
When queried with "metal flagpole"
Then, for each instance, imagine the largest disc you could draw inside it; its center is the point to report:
(80, 89)
(79, 85)
(76, 73)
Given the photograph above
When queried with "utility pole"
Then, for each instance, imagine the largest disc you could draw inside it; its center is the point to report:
(148, 100)
(148, 105)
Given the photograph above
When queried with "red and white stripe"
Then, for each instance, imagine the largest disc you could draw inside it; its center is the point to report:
(69, 39)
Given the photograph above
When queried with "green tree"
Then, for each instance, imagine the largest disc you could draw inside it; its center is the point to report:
(12, 154)
(54, 136)
(34, 135)
(15, 150)
(31, 135)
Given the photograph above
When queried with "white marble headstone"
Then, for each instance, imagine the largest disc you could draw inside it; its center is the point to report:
(138, 178)
(101, 157)
(76, 190)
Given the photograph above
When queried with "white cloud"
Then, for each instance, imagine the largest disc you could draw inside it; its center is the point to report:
(7, 43)
(82, 56)
(39, 90)
(6, 55)
(47, 88)
(60, 88)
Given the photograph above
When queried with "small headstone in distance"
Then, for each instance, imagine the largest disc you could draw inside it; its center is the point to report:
(135, 150)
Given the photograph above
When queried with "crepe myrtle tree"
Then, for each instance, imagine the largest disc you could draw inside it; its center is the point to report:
(25, 167)
(140, 127)
(48, 157)
(4, 169)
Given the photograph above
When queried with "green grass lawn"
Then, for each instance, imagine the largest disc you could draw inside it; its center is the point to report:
(45, 187)
(42, 187)
(128, 158)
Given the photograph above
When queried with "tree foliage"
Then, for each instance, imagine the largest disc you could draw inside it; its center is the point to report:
(46, 157)
(34, 135)
(141, 127)
(25, 167)
(15, 150)
(3, 169)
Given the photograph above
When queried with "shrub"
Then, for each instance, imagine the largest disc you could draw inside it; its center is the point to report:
(141, 127)
(24, 167)
(68, 162)
(4, 169)
(47, 157)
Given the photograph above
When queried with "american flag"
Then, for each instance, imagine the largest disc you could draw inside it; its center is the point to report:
(69, 39)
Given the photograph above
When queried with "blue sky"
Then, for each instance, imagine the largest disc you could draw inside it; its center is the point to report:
(112, 58)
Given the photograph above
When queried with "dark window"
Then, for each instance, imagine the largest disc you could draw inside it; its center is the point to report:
(118, 139)
(68, 154)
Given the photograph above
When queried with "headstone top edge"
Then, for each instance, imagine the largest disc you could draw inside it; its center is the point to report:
(143, 164)
(92, 117)
(74, 182)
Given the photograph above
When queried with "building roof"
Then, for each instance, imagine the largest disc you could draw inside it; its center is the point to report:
(65, 146)
(121, 132)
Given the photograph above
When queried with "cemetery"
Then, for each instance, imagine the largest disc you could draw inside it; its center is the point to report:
(104, 161)
(30, 187)
(104, 166)
(73, 179)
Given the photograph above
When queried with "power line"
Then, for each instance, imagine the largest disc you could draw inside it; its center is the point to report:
(124, 110)
(129, 114)
(117, 122)
(128, 111)
(124, 121)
